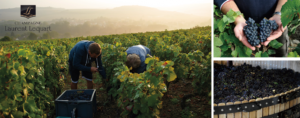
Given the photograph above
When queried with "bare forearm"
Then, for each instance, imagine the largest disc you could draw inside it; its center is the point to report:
(231, 5)
(279, 5)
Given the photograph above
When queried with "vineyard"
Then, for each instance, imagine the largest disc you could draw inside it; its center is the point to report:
(179, 70)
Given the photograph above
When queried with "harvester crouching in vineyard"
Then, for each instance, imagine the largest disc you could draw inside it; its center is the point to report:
(80, 59)
(136, 56)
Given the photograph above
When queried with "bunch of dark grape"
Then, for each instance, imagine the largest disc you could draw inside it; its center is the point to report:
(78, 96)
(255, 35)
(266, 27)
(250, 30)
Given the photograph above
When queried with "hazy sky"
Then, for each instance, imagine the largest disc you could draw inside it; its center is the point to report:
(92, 4)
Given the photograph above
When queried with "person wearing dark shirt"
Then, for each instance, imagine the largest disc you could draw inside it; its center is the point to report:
(257, 10)
(80, 59)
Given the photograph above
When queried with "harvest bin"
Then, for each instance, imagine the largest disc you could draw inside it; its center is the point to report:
(283, 105)
(85, 108)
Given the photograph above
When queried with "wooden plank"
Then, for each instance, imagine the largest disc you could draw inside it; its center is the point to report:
(259, 112)
(271, 108)
(237, 114)
(230, 115)
(291, 101)
(287, 104)
(253, 113)
(282, 105)
(277, 106)
(265, 109)
(296, 99)
(245, 114)
(215, 116)
(296, 103)
(222, 115)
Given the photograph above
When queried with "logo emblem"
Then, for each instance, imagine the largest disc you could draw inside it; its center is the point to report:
(28, 11)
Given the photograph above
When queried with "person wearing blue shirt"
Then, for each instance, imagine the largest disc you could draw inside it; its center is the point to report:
(136, 56)
(80, 59)
(257, 10)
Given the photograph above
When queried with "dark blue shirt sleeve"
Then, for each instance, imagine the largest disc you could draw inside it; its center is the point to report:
(101, 69)
(219, 3)
(77, 59)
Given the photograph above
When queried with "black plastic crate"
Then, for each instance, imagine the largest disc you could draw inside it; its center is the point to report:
(85, 108)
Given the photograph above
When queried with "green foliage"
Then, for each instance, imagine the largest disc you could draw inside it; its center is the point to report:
(45, 36)
(290, 11)
(293, 54)
(293, 26)
(32, 36)
(6, 38)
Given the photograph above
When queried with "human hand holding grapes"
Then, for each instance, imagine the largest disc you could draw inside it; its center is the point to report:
(276, 33)
(240, 23)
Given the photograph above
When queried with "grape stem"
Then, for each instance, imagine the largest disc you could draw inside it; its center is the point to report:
(232, 46)
(265, 48)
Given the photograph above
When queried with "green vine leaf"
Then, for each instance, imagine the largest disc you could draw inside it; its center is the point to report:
(261, 54)
(216, 23)
(231, 15)
(264, 54)
(221, 25)
(217, 42)
(243, 51)
(293, 54)
(234, 53)
(258, 54)
(214, 7)
(270, 52)
(297, 49)
(289, 10)
(275, 44)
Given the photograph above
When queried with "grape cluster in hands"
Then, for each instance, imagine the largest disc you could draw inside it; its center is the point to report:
(257, 34)
(266, 27)
(251, 32)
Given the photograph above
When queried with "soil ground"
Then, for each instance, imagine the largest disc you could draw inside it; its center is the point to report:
(172, 100)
